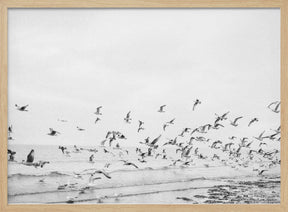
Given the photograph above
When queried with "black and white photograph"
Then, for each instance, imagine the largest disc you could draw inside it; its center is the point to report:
(144, 106)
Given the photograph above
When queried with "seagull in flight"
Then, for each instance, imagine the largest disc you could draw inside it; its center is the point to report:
(140, 123)
(234, 123)
(128, 118)
(260, 137)
(80, 129)
(97, 119)
(53, 132)
(10, 129)
(140, 128)
(21, 108)
(152, 144)
(98, 112)
(223, 117)
(276, 109)
(197, 102)
(161, 109)
(252, 121)
(164, 126)
(126, 163)
(101, 172)
(171, 121)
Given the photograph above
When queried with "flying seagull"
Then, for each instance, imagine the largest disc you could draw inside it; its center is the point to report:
(53, 132)
(161, 109)
(252, 121)
(80, 129)
(234, 123)
(128, 118)
(21, 108)
(97, 119)
(98, 110)
(197, 102)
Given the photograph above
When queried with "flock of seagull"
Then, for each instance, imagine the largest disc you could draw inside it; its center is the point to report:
(185, 151)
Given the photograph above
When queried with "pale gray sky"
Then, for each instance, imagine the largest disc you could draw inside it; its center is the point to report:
(66, 62)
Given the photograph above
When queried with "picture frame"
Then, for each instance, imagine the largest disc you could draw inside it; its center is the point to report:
(5, 5)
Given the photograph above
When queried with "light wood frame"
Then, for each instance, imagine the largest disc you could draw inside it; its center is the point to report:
(282, 4)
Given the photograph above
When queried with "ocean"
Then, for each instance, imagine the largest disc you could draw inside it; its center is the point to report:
(67, 178)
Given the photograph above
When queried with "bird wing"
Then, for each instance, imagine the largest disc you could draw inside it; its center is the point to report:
(155, 140)
(260, 136)
(238, 118)
(277, 106)
(132, 164)
(225, 114)
(194, 106)
(103, 142)
(171, 122)
(272, 103)
(104, 173)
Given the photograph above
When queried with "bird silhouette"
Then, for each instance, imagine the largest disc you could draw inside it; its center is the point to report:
(128, 118)
(98, 112)
(252, 121)
(161, 109)
(53, 132)
(197, 102)
(234, 123)
(21, 108)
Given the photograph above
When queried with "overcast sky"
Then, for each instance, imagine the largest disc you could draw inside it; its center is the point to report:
(66, 62)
